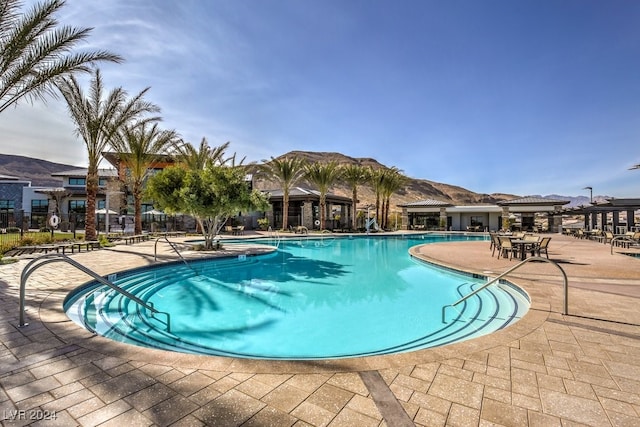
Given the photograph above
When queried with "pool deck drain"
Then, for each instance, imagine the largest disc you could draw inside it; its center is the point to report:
(547, 369)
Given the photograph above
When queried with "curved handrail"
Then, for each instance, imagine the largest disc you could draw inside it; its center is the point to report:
(515, 267)
(620, 239)
(51, 258)
(173, 246)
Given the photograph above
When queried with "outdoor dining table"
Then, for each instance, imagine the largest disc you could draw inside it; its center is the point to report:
(523, 246)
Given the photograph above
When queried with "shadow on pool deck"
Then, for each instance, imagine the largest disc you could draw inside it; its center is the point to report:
(547, 369)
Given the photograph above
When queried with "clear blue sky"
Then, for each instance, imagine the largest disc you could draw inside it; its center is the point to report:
(521, 97)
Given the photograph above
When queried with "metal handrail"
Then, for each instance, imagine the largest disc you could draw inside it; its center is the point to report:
(515, 267)
(155, 252)
(51, 258)
(324, 233)
(621, 238)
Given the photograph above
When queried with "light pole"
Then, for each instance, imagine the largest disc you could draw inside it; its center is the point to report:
(590, 193)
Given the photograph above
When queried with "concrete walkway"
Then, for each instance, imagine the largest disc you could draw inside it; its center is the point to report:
(546, 370)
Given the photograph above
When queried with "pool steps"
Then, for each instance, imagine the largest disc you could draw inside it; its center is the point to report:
(117, 313)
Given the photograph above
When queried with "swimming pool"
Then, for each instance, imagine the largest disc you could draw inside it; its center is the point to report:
(311, 299)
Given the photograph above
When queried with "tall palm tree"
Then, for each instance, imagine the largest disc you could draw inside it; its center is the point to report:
(376, 180)
(354, 175)
(288, 171)
(138, 148)
(36, 52)
(323, 176)
(392, 181)
(98, 119)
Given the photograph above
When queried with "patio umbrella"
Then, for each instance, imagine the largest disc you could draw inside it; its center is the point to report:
(104, 211)
(153, 212)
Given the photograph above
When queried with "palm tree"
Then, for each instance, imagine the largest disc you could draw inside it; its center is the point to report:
(392, 181)
(97, 120)
(354, 175)
(287, 171)
(323, 176)
(376, 179)
(198, 159)
(138, 148)
(36, 53)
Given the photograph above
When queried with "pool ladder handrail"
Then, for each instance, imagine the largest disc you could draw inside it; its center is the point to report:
(626, 239)
(275, 235)
(175, 249)
(51, 258)
(515, 267)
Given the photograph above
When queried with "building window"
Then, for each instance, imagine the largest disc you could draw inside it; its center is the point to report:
(476, 221)
(102, 182)
(39, 210)
(6, 213)
(78, 206)
(7, 205)
(39, 206)
(77, 181)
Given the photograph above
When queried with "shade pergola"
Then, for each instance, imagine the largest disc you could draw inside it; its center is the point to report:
(613, 206)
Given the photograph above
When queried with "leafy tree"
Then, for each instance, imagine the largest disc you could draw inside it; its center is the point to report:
(36, 52)
(323, 176)
(138, 148)
(98, 119)
(211, 195)
(354, 175)
(287, 172)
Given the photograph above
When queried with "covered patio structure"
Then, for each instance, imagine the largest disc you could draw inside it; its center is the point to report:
(435, 214)
(304, 209)
(608, 215)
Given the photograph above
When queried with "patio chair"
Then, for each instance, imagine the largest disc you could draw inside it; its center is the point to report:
(543, 246)
(607, 237)
(506, 247)
(495, 244)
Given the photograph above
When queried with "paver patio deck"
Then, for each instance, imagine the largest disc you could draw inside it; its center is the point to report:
(546, 370)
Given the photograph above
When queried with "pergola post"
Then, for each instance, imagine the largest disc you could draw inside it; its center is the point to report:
(616, 221)
(505, 218)
(307, 214)
(443, 217)
(405, 219)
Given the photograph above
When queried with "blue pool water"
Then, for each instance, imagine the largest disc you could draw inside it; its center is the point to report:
(312, 299)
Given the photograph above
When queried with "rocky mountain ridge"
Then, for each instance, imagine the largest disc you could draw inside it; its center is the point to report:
(415, 190)
(39, 173)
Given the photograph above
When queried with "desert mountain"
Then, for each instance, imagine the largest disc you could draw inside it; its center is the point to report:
(415, 190)
(39, 173)
(35, 170)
